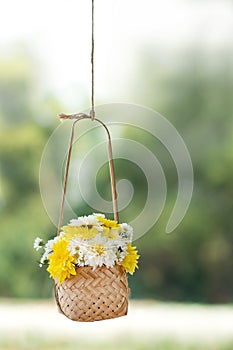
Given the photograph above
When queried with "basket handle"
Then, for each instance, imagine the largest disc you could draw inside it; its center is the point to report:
(77, 118)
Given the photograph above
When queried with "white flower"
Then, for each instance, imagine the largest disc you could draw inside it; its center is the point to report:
(50, 243)
(121, 252)
(74, 248)
(99, 215)
(38, 243)
(49, 248)
(126, 232)
(74, 245)
(106, 246)
(43, 259)
(78, 222)
(90, 220)
(99, 228)
(98, 252)
(99, 255)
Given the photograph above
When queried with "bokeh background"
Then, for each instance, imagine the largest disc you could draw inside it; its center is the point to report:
(175, 57)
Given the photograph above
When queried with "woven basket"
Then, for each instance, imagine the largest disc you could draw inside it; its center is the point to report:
(93, 295)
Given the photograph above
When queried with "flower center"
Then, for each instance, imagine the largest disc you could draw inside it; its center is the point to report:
(99, 248)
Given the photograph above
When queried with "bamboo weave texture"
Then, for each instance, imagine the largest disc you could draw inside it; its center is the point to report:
(93, 295)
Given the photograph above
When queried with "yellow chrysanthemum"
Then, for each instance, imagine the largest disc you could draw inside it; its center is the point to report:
(110, 234)
(61, 263)
(108, 223)
(130, 262)
(79, 231)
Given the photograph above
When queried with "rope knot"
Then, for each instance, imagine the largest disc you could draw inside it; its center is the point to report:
(92, 114)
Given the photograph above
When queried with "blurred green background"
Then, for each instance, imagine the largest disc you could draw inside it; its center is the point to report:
(195, 262)
(192, 87)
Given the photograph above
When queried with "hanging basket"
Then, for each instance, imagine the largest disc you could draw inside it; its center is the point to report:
(93, 295)
(90, 257)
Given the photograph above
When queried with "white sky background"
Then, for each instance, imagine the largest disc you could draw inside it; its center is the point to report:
(59, 33)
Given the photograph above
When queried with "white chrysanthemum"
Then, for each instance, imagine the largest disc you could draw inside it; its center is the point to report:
(98, 252)
(78, 222)
(74, 245)
(99, 215)
(99, 255)
(121, 252)
(38, 243)
(74, 248)
(90, 220)
(108, 243)
(43, 259)
(49, 248)
(126, 232)
(50, 243)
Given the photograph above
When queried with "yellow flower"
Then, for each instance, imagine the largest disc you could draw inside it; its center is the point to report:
(79, 231)
(110, 234)
(130, 262)
(61, 263)
(108, 223)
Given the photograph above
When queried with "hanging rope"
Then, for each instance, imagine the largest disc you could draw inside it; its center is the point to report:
(92, 112)
(77, 117)
(64, 116)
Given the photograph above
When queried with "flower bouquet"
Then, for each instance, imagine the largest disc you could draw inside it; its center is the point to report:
(89, 261)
